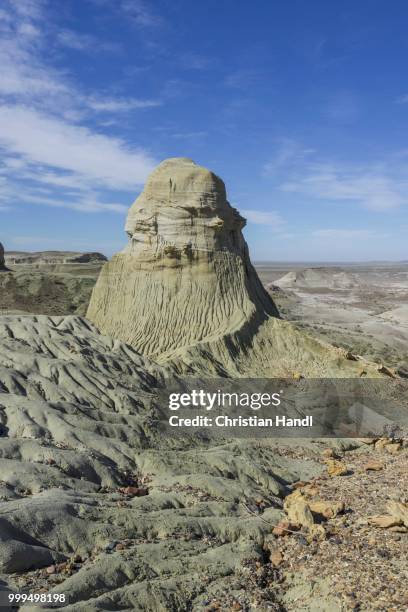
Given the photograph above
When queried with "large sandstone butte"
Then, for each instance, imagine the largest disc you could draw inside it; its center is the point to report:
(184, 290)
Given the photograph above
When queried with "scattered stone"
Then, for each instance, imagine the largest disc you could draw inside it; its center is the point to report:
(326, 508)
(134, 491)
(393, 448)
(384, 521)
(284, 528)
(336, 468)
(297, 509)
(316, 532)
(399, 511)
(399, 529)
(51, 569)
(382, 443)
(276, 558)
(330, 453)
(310, 490)
(374, 466)
(300, 484)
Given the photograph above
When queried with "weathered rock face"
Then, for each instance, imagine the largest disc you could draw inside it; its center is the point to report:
(2, 263)
(184, 291)
(185, 277)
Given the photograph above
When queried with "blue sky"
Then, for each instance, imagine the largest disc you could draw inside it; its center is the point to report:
(301, 107)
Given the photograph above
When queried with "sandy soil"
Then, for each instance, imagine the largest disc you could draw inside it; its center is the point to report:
(96, 503)
(367, 314)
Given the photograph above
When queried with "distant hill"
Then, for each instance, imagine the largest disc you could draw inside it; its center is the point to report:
(319, 278)
(51, 257)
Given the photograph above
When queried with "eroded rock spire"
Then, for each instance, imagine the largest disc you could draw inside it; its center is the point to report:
(185, 276)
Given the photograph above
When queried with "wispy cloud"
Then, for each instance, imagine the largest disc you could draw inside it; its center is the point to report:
(92, 157)
(343, 108)
(188, 135)
(376, 188)
(118, 105)
(51, 153)
(402, 99)
(289, 153)
(84, 42)
(380, 186)
(241, 79)
(261, 217)
(35, 242)
(344, 234)
(194, 61)
(141, 13)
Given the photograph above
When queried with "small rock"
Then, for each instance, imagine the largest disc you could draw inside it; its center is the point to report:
(326, 508)
(283, 528)
(336, 468)
(382, 443)
(300, 484)
(399, 529)
(384, 520)
(330, 453)
(134, 491)
(393, 448)
(51, 569)
(276, 558)
(399, 511)
(373, 466)
(297, 509)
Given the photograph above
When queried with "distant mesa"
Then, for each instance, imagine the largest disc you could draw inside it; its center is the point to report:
(318, 278)
(184, 292)
(52, 257)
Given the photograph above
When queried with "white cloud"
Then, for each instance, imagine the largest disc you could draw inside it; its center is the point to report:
(68, 244)
(140, 13)
(49, 156)
(376, 188)
(261, 217)
(241, 79)
(344, 234)
(85, 42)
(379, 186)
(87, 203)
(40, 139)
(115, 105)
(288, 153)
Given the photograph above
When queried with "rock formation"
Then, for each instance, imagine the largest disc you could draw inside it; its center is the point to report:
(319, 278)
(185, 277)
(184, 290)
(2, 262)
(50, 258)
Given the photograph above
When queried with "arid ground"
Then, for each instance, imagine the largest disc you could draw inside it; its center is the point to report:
(362, 307)
(95, 504)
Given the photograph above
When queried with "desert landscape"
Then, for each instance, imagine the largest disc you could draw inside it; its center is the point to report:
(360, 306)
(96, 503)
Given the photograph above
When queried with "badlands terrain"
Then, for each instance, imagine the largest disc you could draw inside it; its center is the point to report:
(97, 503)
(362, 307)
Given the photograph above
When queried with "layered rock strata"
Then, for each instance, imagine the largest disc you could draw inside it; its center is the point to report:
(184, 289)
